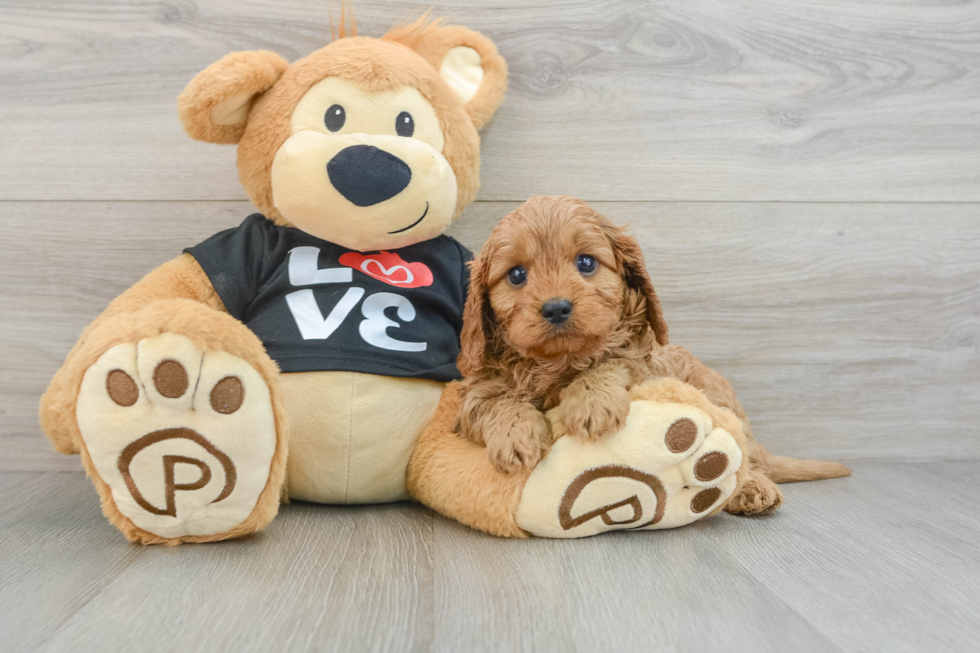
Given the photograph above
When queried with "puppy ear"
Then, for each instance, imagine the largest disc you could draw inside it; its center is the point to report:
(630, 256)
(214, 107)
(478, 322)
(466, 60)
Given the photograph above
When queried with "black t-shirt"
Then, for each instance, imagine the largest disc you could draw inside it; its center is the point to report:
(317, 306)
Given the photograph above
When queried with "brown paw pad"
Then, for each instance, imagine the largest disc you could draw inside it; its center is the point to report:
(122, 388)
(711, 466)
(681, 435)
(170, 379)
(704, 499)
(227, 395)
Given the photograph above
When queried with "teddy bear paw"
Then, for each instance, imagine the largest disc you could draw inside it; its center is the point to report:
(667, 467)
(183, 439)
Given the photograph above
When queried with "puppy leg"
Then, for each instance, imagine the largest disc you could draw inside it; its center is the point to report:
(516, 434)
(681, 364)
(758, 495)
(597, 402)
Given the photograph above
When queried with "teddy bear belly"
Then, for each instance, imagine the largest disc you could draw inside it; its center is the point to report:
(351, 435)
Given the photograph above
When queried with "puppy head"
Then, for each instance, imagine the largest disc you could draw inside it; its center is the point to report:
(555, 278)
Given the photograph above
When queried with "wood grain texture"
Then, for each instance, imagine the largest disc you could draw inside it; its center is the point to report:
(608, 593)
(609, 100)
(754, 147)
(885, 560)
(56, 554)
(881, 560)
(850, 331)
(332, 579)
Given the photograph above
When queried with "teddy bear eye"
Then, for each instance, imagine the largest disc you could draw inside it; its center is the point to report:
(404, 124)
(335, 117)
(585, 263)
(517, 275)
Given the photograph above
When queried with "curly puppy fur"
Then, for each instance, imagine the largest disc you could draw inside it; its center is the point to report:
(518, 364)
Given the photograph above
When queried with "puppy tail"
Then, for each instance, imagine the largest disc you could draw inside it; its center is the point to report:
(783, 469)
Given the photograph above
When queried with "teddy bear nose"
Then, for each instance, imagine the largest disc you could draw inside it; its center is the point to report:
(556, 311)
(367, 175)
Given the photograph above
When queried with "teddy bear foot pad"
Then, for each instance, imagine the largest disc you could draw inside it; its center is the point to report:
(184, 439)
(667, 467)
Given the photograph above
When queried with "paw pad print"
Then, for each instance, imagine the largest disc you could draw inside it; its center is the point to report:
(668, 466)
(183, 438)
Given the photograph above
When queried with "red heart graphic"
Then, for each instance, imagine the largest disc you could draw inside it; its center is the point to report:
(390, 268)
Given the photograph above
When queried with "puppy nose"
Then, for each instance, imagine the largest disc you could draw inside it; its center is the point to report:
(367, 175)
(556, 311)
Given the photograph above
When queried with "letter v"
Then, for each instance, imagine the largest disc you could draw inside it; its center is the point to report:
(309, 319)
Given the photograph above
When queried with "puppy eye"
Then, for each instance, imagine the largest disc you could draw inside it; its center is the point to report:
(335, 117)
(586, 264)
(517, 275)
(404, 125)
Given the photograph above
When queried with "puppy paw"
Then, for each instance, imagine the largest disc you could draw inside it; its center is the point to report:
(591, 412)
(518, 443)
(758, 496)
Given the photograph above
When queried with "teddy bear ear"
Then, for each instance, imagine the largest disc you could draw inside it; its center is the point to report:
(466, 60)
(214, 107)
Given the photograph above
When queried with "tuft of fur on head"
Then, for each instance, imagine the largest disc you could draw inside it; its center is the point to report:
(342, 31)
(615, 310)
(413, 33)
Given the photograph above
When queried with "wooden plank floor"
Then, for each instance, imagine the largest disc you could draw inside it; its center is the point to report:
(804, 179)
(887, 560)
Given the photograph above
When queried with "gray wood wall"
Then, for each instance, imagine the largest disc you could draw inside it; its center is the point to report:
(804, 178)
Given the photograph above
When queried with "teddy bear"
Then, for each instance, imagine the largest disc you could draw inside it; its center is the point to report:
(310, 353)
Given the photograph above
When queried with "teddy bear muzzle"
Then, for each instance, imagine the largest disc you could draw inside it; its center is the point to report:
(364, 191)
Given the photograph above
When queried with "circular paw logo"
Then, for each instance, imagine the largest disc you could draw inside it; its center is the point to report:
(170, 467)
(595, 493)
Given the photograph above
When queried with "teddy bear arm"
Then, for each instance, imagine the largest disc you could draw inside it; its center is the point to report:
(650, 474)
(179, 278)
(454, 476)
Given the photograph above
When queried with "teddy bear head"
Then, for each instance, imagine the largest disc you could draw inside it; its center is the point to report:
(367, 143)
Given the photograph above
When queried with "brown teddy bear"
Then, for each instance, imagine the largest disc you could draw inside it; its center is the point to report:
(325, 329)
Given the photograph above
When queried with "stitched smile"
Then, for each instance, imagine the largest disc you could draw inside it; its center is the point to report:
(398, 231)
